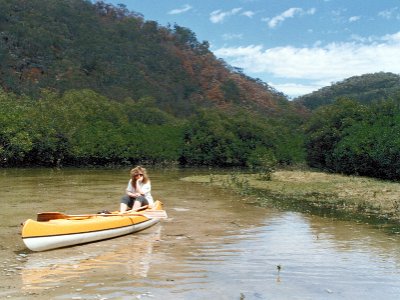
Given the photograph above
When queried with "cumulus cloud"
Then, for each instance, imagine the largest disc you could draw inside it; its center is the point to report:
(181, 10)
(290, 13)
(218, 16)
(248, 13)
(320, 64)
(354, 19)
(392, 13)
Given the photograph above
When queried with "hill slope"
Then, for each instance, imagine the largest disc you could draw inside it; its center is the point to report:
(70, 44)
(366, 88)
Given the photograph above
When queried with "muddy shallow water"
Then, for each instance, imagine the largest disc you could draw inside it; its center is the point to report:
(215, 245)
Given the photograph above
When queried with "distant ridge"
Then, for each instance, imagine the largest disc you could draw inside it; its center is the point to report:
(365, 89)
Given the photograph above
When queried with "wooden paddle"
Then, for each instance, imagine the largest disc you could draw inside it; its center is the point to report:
(151, 214)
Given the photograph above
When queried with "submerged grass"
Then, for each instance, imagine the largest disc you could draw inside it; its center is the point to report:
(349, 197)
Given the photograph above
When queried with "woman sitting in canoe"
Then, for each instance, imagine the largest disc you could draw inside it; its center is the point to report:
(138, 191)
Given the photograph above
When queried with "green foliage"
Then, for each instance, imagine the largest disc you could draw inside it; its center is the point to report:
(263, 161)
(209, 141)
(146, 111)
(242, 139)
(350, 138)
(366, 89)
(238, 184)
(115, 132)
(289, 144)
(371, 147)
(15, 140)
(325, 129)
(83, 127)
(161, 144)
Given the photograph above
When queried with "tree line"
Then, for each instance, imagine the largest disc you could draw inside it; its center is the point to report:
(353, 138)
(82, 127)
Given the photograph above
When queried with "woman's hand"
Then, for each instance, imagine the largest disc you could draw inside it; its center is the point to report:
(134, 195)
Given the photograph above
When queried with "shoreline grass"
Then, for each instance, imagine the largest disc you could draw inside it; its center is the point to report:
(351, 197)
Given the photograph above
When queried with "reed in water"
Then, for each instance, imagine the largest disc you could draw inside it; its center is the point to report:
(317, 192)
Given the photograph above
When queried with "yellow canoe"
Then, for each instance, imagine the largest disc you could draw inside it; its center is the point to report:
(80, 229)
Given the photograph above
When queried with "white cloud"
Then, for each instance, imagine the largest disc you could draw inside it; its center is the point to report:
(248, 13)
(311, 11)
(290, 13)
(294, 89)
(354, 19)
(392, 38)
(392, 13)
(178, 11)
(319, 65)
(362, 39)
(218, 16)
(232, 36)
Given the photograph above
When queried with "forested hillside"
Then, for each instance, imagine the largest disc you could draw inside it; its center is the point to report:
(354, 126)
(365, 89)
(95, 84)
(74, 44)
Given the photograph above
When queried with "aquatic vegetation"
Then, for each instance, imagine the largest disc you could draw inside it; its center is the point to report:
(359, 198)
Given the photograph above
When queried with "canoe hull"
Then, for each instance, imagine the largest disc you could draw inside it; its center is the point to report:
(73, 230)
(43, 243)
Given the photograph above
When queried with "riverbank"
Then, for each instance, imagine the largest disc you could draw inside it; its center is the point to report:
(363, 199)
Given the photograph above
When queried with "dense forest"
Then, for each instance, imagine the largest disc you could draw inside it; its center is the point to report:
(82, 127)
(353, 138)
(86, 84)
(354, 126)
(366, 89)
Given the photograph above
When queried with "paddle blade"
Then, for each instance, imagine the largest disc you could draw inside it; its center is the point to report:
(47, 216)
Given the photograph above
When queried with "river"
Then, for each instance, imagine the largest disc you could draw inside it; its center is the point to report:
(214, 245)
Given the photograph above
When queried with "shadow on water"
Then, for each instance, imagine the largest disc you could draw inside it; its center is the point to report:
(213, 245)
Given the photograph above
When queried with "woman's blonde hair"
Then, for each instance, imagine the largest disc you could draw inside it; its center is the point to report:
(140, 170)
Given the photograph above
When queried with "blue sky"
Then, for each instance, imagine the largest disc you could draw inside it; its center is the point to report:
(295, 46)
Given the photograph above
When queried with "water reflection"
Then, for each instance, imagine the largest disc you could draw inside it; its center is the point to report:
(130, 254)
(288, 255)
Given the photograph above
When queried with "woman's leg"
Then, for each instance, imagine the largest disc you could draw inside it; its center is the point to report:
(136, 205)
(126, 203)
(139, 202)
(123, 207)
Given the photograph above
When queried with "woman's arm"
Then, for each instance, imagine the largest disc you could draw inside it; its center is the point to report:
(131, 191)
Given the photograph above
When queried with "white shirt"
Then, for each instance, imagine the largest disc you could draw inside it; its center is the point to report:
(144, 187)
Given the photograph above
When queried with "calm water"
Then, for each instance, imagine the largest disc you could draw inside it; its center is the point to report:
(215, 245)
